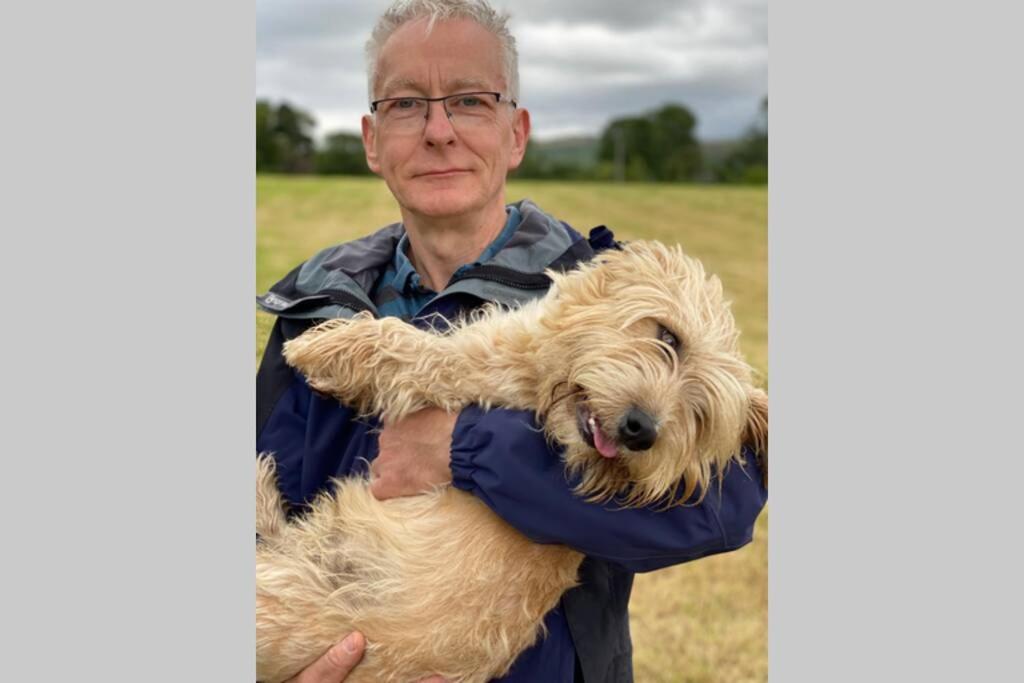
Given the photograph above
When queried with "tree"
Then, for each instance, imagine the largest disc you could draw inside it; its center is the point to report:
(748, 163)
(675, 149)
(342, 154)
(658, 145)
(284, 138)
(623, 142)
(268, 153)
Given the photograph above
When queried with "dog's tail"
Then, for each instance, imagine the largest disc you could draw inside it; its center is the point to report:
(270, 516)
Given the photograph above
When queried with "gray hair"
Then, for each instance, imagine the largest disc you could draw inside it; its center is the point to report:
(480, 11)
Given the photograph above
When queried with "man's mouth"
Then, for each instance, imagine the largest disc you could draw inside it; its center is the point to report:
(592, 432)
(442, 173)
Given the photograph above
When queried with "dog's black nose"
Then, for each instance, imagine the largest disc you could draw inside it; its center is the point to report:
(637, 430)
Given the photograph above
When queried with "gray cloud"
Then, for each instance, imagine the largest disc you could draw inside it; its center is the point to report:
(582, 62)
(281, 23)
(620, 15)
(723, 106)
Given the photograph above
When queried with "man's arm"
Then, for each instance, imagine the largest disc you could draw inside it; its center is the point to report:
(502, 457)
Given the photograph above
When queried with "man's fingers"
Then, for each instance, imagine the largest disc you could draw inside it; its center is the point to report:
(379, 482)
(389, 482)
(336, 664)
(377, 488)
(383, 487)
(344, 656)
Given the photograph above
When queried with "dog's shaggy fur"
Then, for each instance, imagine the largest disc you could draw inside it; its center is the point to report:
(438, 583)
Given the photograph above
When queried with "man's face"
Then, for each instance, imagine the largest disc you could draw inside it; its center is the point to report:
(444, 169)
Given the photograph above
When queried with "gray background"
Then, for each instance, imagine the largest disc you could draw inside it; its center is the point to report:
(128, 271)
(128, 274)
(894, 342)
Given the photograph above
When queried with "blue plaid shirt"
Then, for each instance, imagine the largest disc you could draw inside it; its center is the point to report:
(401, 276)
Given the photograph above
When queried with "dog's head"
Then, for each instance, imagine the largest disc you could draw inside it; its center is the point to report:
(651, 395)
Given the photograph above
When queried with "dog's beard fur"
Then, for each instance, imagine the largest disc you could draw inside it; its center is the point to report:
(604, 327)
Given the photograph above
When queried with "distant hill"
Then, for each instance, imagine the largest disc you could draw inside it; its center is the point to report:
(581, 152)
(574, 151)
(715, 151)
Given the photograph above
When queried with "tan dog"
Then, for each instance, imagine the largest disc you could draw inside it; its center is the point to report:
(631, 363)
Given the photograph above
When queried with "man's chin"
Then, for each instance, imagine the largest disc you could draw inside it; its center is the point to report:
(441, 204)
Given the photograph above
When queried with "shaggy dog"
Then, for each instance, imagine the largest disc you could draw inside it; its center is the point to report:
(631, 363)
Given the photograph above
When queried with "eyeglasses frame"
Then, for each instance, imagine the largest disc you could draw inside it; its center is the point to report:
(497, 99)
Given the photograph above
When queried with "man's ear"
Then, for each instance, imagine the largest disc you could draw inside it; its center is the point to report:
(520, 135)
(370, 144)
(756, 434)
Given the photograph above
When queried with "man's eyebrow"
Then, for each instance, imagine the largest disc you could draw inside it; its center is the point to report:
(464, 84)
(453, 86)
(396, 84)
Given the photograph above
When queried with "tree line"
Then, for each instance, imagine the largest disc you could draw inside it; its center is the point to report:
(658, 145)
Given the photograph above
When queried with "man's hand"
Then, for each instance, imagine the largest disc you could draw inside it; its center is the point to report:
(338, 662)
(415, 453)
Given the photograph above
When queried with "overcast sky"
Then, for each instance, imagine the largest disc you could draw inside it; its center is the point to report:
(581, 62)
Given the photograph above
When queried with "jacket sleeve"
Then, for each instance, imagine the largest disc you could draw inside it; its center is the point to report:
(503, 458)
(311, 438)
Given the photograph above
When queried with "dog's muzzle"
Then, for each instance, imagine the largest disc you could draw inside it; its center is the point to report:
(637, 430)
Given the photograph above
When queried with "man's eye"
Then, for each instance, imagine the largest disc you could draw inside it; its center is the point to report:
(469, 101)
(405, 104)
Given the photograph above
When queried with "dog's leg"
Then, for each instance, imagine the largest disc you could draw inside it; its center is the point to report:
(270, 517)
(378, 366)
(499, 360)
(390, 368)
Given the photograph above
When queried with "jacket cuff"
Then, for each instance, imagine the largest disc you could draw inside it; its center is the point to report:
(466, 442)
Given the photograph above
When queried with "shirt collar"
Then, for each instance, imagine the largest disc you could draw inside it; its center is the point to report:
(406, 278)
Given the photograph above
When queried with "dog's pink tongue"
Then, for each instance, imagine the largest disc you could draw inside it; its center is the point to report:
(604, 445)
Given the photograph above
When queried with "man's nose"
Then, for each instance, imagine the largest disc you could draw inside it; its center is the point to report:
(439, 126)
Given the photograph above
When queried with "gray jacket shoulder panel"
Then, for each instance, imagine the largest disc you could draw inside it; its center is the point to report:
(363, 259)
(539, 240)
(338, 281)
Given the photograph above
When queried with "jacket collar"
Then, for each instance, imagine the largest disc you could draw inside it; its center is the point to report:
(336, 282)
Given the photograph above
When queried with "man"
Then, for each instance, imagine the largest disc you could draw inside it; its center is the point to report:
(445, 129)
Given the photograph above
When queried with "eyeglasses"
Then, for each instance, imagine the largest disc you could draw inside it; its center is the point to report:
(465, 110)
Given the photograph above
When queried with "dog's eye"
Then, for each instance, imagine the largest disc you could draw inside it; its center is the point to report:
(664, 335)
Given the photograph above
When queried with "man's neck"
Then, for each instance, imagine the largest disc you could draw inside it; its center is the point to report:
(438, 246)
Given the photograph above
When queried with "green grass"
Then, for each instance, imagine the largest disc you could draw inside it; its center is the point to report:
(703, 622)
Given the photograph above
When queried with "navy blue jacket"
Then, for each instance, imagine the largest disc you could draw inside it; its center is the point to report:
(500, 455)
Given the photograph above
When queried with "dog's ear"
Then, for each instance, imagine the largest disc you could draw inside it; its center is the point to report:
(756, 433)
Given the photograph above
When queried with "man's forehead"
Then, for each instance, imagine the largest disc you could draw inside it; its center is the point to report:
(423, 85)
(450, 56)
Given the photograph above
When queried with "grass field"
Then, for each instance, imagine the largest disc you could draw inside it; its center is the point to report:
(701, 622)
